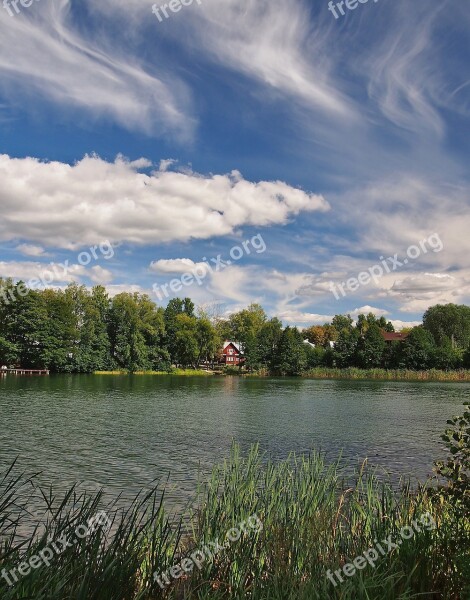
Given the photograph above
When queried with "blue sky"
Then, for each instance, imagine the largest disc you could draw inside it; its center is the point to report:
(339, 141)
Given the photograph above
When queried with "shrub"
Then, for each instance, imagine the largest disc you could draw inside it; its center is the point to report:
(456, 470)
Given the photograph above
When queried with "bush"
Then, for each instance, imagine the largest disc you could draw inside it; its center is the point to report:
(315, 356)
(456, 470)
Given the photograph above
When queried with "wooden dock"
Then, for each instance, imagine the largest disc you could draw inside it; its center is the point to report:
(20, 371)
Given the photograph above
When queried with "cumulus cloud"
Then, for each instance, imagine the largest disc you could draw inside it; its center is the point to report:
(419, 292)
(100, 275)
(66, 206)
(296, 317)
(120, 288)
(27, 271)
(365, 310)
(176, 265)
(399, 325)
(31, 250)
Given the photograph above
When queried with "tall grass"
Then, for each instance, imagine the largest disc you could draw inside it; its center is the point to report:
(314, 518)
(388, 374)
(178, 372)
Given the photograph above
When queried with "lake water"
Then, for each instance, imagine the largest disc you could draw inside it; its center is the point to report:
(122, 433)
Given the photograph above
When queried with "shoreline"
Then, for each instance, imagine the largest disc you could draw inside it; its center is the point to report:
(351, 374)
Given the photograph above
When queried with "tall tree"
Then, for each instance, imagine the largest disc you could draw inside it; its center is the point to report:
(346, 347)
(186, 343)
(208, 340)
(175, 307)
(449, 322)
(136, 332)
(370, 348)
(290, 357)
(418, 349)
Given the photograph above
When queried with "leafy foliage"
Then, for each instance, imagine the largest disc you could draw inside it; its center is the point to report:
(456, 470)
(81, 331)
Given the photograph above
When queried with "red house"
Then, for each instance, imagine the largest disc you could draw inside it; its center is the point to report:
(390, 337)
(232, 354)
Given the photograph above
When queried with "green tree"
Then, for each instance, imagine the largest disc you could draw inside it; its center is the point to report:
(290, 357)
(38, 328)
(175, 307)
(9, 350)
(418, 349)
(346, 347)
(247, 323)
(187, 344)
(342, 323)
(393, 356)
(447, 358)
(456, 469)
(370, 348)
(245, 327)
(466, 358)
(136, 333)
(449, 323)
(269, 337)
(208, 341)
(316, 357)
(385, 325)
(99, 313)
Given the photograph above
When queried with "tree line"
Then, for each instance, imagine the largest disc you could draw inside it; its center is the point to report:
(77, 330)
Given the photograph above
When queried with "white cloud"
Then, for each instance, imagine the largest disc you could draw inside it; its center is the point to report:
(176, 265)
(31, 250)
(120, 288)
(296, 317)
(27, 271)
(96, 200)
(365, 310)
(273, 42)
(43, 54)
(268, 40)
(422, 290)
(399, 325)
(100, 275)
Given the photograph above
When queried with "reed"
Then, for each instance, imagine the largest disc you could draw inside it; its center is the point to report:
(389, 374)
(315, 517)
(174, 372)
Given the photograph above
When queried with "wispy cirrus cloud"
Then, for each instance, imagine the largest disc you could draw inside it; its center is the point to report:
(44, 54)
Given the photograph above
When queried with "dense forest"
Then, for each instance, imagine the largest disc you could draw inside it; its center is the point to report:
(80, 331)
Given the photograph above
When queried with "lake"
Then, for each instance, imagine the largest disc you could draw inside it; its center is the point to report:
(123, 432)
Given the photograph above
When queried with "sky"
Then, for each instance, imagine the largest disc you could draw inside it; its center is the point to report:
(241, 151)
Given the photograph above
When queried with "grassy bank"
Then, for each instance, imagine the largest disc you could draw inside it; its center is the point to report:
(392, 375)
(311, 522)
(178, 372)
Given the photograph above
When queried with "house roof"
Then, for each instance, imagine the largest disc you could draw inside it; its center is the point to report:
(394, 336)
(238, 347)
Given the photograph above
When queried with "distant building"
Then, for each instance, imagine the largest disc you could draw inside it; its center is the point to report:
(390, 337)
(330, 344)
(232, 354)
